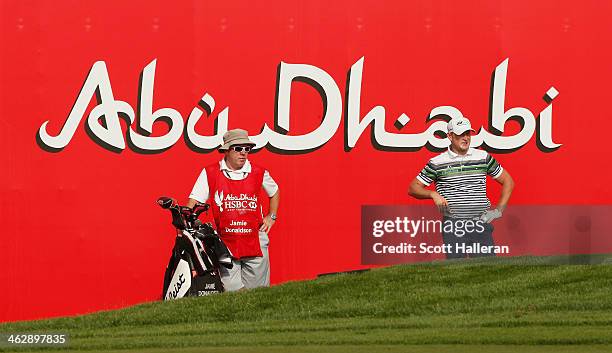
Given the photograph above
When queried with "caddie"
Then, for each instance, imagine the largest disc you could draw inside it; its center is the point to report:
(460, 175)
(233, 187)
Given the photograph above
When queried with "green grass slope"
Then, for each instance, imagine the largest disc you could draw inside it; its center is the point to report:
(533, 302)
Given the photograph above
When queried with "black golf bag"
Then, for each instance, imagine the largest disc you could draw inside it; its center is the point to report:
(198, 253)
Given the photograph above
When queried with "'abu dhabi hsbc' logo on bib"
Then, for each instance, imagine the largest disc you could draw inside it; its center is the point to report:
(243, 202)
(219, 200)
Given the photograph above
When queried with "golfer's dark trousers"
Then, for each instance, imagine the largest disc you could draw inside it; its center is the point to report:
(458, 237)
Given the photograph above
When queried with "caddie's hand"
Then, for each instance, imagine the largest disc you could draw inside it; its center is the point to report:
(268, 222)
(439, 201)
(491, 215)
(179, 233)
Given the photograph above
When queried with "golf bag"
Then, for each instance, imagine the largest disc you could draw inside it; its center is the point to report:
(198, 253)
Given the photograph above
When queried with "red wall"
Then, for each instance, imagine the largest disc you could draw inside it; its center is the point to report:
(80, 227)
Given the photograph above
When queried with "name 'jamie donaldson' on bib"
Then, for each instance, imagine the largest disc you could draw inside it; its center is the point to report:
(239, 230)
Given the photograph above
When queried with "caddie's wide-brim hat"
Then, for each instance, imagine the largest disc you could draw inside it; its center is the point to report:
(235, 137)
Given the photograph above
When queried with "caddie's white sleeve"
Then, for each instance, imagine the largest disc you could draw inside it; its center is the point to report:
(200, 190)
(269, 185)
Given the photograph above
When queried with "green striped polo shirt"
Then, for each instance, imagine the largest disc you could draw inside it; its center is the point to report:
(461, 180)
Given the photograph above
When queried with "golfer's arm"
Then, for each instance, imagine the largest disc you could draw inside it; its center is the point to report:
(418, 190)
(507, 184)
(274, 201)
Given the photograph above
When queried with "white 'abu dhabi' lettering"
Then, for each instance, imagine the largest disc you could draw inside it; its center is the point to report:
(103, 120)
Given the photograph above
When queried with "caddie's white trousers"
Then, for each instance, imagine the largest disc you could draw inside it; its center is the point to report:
(248, 272)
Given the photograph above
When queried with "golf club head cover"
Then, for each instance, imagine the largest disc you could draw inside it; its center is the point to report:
(165, 202)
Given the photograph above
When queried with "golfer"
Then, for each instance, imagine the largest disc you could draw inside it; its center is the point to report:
(460, 175)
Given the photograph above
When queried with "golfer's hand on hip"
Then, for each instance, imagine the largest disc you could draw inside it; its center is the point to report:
(439, 201)
(491, 215)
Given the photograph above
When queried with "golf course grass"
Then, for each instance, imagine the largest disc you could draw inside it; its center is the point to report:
(527, 304)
